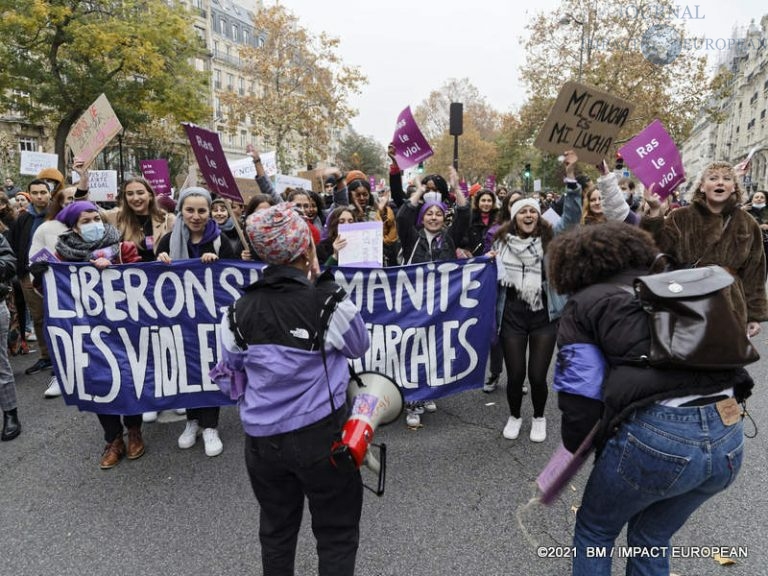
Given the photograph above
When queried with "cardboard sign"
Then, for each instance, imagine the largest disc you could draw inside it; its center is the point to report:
(248, 188)
(33, 162)
(410, 145)
(584, 120)
(102, 185)
(157, 174)
(212, 162)
(93, 130)
(654, 158)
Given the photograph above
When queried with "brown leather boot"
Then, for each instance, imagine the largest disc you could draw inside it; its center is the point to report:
(112, 453)
(135, 444)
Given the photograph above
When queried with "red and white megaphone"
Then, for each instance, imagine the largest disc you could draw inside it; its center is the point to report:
(376, 400)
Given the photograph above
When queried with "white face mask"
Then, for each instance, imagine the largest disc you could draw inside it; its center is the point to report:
(92, 231)
(758, 206)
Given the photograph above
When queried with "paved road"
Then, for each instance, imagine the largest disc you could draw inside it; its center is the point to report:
(457, 500)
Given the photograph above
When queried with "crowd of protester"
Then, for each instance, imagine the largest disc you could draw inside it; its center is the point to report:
(429, 219)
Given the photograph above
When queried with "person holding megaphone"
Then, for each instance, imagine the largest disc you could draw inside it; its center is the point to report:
(285, 345)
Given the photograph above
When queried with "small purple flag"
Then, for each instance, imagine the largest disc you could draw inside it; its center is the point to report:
(212, 162)
(157, 174)
(410, 145)
(654, 158)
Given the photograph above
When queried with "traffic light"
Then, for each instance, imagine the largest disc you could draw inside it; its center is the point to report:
(527, 171)
(421, 168)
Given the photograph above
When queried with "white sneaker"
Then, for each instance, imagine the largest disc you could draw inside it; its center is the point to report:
(190, 434)
(539, 429)
(213, 445)
(430, 406)
(512, 429)
(413, 419)
(53, 390)
(490, 386)
(149, 417)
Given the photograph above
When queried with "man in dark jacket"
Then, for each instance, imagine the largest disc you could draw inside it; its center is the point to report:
(20, 237)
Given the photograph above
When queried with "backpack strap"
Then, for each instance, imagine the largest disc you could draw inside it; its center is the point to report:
(239, 338)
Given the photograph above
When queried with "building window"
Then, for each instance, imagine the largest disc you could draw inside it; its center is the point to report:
(235, 32)
(230, 82)
(217, 78)
(27, 144)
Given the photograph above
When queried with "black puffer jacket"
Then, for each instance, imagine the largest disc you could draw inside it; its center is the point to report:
(601, 372)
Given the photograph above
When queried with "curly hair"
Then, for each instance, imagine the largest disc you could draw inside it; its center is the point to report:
(588, 255)
(254, 203)
(736, 197)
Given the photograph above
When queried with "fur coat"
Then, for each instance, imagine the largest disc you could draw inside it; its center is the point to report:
(732, 239)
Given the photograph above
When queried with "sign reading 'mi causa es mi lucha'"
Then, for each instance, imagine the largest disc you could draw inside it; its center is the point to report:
(585, 120)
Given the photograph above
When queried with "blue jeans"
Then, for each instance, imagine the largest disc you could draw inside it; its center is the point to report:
(661, 465)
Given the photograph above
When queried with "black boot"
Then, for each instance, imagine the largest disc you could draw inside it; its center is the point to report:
(11, 425)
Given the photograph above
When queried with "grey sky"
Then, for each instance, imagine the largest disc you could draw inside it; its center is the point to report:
(478, 40)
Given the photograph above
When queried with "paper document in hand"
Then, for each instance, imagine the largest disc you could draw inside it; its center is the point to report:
(562, 467)
(365, 244)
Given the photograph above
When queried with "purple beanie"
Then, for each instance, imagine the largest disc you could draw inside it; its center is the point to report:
(426, 206)
(71, 213)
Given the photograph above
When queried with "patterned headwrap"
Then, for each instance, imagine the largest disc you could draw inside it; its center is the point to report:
(278, 234)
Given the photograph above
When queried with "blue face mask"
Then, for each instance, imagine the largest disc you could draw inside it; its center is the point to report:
(92, 231)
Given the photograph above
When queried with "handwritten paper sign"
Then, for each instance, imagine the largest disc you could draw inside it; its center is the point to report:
(245, 168)
(33, 162)
(212, 162)
(157, 174)
(93, 130)
(102, 185)
(410, 145)
(654, 158)
(365, 244)
(282, 182)
(584, 120)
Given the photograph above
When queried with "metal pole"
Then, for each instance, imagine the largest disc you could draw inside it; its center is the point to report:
(456, 152)
(120, 151)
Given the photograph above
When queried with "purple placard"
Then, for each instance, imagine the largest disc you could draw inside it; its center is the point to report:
(490, 182)
(157, 174)
(654, 158)
(372, 182)
(410, 145)
(212, 162)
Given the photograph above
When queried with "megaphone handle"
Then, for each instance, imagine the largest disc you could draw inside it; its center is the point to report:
(382, 469)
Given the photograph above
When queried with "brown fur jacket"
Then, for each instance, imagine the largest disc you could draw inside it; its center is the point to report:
(731, 239)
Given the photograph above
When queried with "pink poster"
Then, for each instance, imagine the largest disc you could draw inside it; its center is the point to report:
(654, 159)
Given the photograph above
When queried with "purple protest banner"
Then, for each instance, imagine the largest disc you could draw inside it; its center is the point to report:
(654, 158)
(212, 162)
(157, 174)
(410, 145)
(490, 182)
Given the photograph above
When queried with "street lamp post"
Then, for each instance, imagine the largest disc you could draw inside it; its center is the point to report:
(567, 19)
